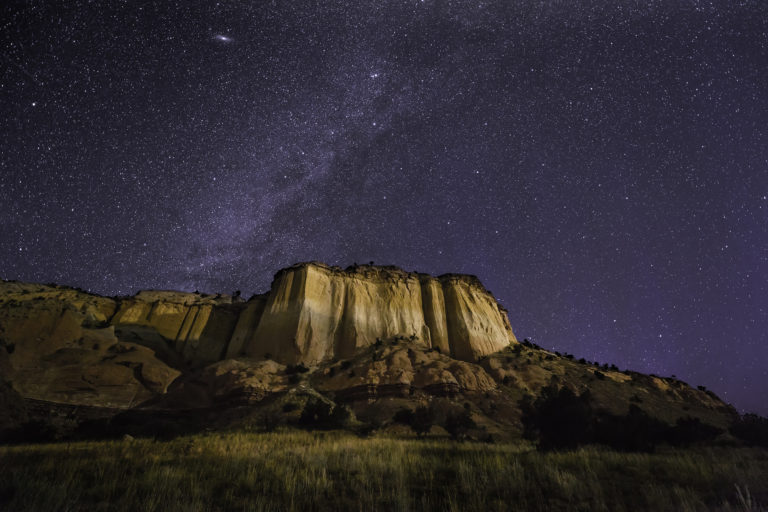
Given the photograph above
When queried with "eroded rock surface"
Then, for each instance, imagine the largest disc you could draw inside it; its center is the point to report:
(67, 345)
(315, 312)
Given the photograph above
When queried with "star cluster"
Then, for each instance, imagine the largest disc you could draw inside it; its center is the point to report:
(601, 166)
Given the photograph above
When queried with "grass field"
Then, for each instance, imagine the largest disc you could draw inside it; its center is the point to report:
(300, 471)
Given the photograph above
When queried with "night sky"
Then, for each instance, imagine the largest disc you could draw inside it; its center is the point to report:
(602, 166)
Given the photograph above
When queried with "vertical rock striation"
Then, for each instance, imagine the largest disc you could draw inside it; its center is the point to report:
(74, 346)
(315, 312)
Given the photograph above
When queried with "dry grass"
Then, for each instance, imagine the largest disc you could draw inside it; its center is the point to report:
(337, 471)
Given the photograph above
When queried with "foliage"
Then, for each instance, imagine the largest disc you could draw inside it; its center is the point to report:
(420, 420)
(320, 414)
(459, 424)
(752, 429)
(560, 420)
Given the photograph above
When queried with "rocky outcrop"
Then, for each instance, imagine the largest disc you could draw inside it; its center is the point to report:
(315, 312)
(403, 366)
(70, 346)
(56, 344)
(186, 327)
(312, 313)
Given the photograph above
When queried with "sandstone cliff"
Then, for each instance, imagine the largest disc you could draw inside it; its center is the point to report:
(315, 312)
(66, 345)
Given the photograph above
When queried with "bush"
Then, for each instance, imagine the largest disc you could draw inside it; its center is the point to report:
(558, 418)
(320, 414)
(316, 413)
(752, 429)
(689, 431)
(636, 431)
(458, 425)
(403, 416)
(420, 420)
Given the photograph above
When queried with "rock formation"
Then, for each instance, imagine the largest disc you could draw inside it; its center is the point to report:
(365, 335)
(66, 345)
(315, 313)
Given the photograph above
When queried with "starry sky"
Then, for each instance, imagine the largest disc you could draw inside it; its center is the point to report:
(601, 165)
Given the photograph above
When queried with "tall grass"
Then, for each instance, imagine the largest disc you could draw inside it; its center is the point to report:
(338, 471)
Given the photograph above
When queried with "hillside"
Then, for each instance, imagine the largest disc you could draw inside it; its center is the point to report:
(366, 342)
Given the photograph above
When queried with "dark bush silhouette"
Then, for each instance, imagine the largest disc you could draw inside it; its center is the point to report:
(316, 413)
(341, 416)
(751, 429)
(458, 425)
(690, 430)
(34, 431)
(420, 420)
(320, 414)
(403, 416)
(634, 432)
(558, 418)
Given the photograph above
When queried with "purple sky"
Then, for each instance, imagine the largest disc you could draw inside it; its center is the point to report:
(602, 166)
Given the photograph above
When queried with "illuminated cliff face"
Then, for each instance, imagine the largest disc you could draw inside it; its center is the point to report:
(71, 346)
(315, 312)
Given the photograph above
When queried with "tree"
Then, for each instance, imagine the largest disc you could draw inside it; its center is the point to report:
(459, 424)
(752, 429)
(316, 413)
(420, 420)
(558, 418)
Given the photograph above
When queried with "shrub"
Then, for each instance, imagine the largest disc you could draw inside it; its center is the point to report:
(458, 425)
(318, 413)
(341, 416)
(558, 418)
(420, 420)
(689, 431)
(752, 429)
(636, 431)
(403, 416)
